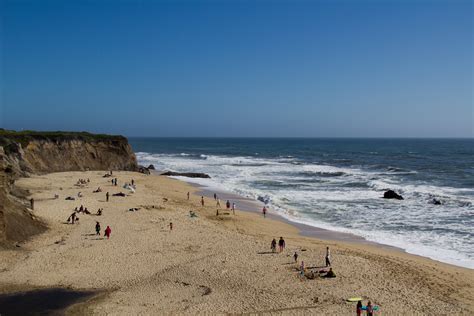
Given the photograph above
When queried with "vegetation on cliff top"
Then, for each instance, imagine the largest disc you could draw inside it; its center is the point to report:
(24, 137)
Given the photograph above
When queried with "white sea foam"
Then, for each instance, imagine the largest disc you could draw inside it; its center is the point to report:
(345, 199)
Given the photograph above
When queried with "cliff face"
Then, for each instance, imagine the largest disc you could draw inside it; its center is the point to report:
(55, 152)
(24, 153)
(16, 221)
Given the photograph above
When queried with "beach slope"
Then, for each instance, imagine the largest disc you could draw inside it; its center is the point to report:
(208, 264)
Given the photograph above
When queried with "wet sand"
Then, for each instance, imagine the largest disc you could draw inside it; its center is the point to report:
(254, 206)
(209, 264)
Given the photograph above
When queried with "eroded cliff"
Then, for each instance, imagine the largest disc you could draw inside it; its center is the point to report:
(28, 152)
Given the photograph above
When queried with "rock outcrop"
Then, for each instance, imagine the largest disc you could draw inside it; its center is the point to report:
(186, 174)
(143, 170)
(28, 152)
(390, 194)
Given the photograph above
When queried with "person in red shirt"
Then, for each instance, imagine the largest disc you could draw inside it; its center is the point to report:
(107, 232)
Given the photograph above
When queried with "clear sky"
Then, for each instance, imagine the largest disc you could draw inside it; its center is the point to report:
(239, 68)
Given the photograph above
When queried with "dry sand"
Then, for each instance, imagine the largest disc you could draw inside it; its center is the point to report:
(208, 264)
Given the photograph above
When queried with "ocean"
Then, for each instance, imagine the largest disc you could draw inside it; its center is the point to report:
(338, 184)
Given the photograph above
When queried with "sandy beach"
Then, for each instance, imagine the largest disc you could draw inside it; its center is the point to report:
(209, 264)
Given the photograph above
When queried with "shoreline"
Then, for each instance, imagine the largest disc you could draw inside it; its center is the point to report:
(305, 230)
(252, 206)
(209, 264)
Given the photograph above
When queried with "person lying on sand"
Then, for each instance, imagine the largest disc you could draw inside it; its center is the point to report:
(329, 274)
(97, 191)
(119, 194)
(192, 214)
(99, 212)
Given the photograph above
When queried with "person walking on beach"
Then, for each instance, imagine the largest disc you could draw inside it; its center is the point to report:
(264, 211)
(72, 218)
(274, 245)
(107, 232)
(328, 257)
(370, 309)
(233, 208)
(359, 308)
(188, 196)
(171, 227)
(32, 203)
(218, 204)
(215, 197)
(295, 256)
(97, 228)
(302, 270)
(227, 205)
(202, 200)
(107, 196)
(281, 244)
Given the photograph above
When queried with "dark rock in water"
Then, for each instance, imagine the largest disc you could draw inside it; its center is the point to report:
(265, 199)
(390, 194)
(143, 170)
(465, 204)
(151, 167)
(436, 202)
(186, 174)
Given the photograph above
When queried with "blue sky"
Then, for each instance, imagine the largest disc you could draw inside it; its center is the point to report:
(239, 68)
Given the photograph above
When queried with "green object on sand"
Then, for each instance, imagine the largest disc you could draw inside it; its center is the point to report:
(354, 299)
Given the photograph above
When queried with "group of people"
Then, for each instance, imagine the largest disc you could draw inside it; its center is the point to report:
(82, 209)
(369, 308)
(229, 206)
(326, 273)
(281, 245)
(82, 181)
(73, 218)
(107, 231)
(109, 174)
